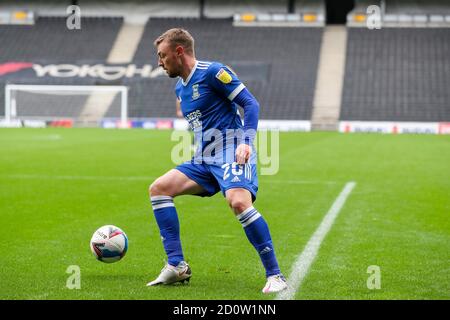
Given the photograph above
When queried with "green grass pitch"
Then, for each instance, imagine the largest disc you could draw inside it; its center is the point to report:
(57, 186)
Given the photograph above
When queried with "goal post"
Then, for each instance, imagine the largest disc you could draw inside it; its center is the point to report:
(81, 103)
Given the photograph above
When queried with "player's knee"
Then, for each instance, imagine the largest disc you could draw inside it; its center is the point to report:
(158, 188)
(152, 189)
(238, 205)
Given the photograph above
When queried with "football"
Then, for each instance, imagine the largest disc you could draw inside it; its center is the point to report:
(109, 244)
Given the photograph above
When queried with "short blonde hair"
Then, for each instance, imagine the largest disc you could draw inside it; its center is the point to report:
(177, 36)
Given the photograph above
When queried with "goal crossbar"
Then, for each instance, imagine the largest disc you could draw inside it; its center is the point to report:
(10, 99)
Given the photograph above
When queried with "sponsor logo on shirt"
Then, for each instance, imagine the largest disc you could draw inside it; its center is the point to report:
(194, 119)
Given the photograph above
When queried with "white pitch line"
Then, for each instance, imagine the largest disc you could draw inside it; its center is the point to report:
(137, 178)
(306, 258)
(57, 177)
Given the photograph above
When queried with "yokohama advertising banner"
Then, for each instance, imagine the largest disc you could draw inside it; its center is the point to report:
(41, 70)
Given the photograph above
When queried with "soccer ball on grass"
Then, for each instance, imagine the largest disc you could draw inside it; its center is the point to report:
(109, 244)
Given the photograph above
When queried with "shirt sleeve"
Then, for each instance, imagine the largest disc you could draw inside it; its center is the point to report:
(224, 81)
(251, 115)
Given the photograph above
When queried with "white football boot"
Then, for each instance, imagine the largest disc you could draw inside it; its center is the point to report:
(170, 274)
(275, 283)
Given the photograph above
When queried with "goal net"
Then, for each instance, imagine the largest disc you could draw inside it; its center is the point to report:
(85, 105)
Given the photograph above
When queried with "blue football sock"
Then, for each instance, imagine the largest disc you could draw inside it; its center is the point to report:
(258, 234)
(169, 227)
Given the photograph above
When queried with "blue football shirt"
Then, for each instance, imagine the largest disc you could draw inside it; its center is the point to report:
(206, 99)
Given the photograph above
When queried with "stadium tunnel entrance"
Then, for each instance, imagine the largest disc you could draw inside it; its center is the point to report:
(336, 11)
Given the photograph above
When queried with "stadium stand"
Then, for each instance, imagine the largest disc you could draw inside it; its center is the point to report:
(283, 61)
(49, 41)
(397, 74)
(392, 74)
(402, 13)
(226, 9)
(417, 7)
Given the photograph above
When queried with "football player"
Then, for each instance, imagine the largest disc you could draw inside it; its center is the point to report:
(208, 93)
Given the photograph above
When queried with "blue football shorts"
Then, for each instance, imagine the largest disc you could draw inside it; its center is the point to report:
(215, 177)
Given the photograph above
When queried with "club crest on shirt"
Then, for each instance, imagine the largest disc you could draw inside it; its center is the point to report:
(195, 93)
(223, 76)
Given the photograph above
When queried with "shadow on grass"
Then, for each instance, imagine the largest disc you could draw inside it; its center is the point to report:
(137, 280)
